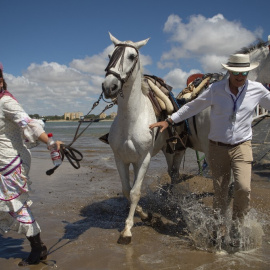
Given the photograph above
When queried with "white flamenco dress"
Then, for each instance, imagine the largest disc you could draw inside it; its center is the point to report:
(18, 132)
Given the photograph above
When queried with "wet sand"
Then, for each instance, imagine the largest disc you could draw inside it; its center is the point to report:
(81, 213)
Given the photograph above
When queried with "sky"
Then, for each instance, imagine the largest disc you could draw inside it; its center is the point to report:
(54, 52)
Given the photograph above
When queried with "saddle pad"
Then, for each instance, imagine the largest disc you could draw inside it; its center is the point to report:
(161, 96)
(191, 92)
(160, 83)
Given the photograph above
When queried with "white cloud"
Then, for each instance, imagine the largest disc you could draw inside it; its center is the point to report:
(212, 63)
(163, 65)
(93, 64)
(177, 78)
(209, 40)
(145, 60)
(51, 88)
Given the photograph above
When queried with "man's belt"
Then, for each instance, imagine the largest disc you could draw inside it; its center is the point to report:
(225, 144)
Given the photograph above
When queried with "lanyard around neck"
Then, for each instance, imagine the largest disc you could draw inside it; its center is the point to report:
(235, 101)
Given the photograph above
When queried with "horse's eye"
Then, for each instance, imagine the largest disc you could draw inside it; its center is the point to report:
(109, 56)
(132, 57)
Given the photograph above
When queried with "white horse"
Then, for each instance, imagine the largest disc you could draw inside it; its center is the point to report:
(130, 138)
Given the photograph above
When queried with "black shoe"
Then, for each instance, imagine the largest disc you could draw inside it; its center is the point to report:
(235, 243)
(235, 235)
(38, 251)
(218, 235)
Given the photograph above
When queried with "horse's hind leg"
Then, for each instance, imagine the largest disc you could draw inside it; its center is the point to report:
(145, 216)
(174, 161)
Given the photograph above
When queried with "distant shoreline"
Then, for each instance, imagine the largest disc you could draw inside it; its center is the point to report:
(62, 120)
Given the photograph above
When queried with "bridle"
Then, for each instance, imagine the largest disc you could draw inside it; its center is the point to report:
(117, 55)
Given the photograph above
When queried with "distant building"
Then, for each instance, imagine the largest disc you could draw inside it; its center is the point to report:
(72, 115)
(103, 116)
(113, 115)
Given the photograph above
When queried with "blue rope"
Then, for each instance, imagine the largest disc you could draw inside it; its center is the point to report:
(175, 101)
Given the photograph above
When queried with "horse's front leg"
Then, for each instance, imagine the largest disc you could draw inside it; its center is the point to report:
(135, 194)
(123, 170)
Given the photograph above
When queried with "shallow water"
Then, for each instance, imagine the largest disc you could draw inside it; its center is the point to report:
(81, 213)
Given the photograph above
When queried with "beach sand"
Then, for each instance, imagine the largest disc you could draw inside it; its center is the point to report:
(81, 213)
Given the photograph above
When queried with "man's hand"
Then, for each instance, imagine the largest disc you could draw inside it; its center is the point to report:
(163, 125)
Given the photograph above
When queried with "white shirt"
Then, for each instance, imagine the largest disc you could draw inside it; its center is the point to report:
(221, 100)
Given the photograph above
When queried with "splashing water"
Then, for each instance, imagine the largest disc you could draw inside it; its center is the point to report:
(207, 230)
(210, 231)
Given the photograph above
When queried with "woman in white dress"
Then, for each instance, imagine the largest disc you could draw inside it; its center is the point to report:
(17, 130)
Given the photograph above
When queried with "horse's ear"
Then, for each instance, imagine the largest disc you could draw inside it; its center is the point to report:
(114, 40)
(141, 43)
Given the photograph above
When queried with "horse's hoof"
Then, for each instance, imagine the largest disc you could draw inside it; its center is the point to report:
(124, 240)
(148, 219)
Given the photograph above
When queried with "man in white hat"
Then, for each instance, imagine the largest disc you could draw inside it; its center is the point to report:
(232, 102)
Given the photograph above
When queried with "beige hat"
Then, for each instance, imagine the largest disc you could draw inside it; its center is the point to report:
(240, 62)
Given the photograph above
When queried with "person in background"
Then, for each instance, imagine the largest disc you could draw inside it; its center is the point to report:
(232, 103)
(17, 130)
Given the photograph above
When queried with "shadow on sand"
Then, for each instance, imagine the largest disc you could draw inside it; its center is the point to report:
(166, 215)
(11, 248)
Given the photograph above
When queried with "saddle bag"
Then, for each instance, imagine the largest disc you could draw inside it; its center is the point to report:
(176, 142)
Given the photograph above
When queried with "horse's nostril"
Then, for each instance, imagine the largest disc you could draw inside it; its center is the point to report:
(114, 87)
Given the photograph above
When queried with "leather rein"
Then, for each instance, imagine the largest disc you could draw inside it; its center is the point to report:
(73, 155)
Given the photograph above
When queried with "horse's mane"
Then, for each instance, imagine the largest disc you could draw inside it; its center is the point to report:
(259, 44)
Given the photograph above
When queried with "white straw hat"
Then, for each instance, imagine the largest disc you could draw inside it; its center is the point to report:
(240, 62)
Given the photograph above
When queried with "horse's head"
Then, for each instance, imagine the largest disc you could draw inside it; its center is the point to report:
(260, 53)
(263, 71)
(123, 65)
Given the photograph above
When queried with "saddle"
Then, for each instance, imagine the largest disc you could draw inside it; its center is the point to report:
(195, 84)
(165, 104)
(159, 94)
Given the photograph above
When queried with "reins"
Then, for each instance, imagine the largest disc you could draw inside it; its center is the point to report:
(73, 155)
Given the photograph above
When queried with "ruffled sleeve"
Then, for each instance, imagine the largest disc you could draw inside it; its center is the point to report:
(31, 128)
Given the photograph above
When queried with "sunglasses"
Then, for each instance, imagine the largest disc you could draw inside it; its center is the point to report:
(235, 73)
